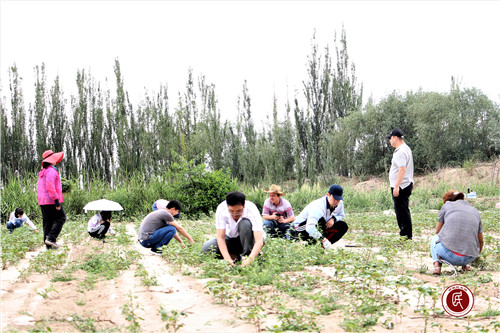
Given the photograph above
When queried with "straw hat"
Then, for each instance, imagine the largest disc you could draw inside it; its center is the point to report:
(53, 158)
(275, 189)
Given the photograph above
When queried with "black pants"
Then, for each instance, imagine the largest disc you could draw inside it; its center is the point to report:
(402, 209)
(53, 221)
(101, 233)
(241, 245)
(333, 234)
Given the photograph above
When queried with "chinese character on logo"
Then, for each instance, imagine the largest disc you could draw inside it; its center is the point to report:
(457, 299)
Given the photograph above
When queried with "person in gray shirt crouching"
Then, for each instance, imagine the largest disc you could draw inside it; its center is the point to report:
(459, 233)
(158, 228)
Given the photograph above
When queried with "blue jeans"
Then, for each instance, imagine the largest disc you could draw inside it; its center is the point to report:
(273, 228)
(160, 237)
(439, 251)
(13, 225)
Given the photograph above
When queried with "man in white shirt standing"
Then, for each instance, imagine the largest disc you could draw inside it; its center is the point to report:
(401, 181)
(239, 230)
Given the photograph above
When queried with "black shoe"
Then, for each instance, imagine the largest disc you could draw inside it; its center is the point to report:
(156, 251)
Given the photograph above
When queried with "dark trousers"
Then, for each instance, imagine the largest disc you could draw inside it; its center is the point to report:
(402, 209)
(53, 221)
(274, 229)
(333, 234)
(241, 245)
(101, 233)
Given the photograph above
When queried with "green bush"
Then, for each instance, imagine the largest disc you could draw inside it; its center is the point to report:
(199, 190)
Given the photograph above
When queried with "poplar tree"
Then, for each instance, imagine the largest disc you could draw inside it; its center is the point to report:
(212, 133)
(40, 122)
(126, 137)
(5, 136)
(18, 148)
(346, 97)
(316, 91)
(57, 117)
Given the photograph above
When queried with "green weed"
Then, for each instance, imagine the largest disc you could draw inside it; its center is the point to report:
(83, 324)
(129, 310)
(172, 319)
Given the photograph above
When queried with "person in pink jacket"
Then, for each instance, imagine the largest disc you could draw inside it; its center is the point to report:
(50, 198)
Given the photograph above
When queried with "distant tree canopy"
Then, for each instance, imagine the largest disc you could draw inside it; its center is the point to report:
(104, 136)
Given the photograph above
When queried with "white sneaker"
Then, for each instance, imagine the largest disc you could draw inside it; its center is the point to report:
(326, 244)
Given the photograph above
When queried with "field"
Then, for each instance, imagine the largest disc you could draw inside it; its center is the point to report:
(371, 281)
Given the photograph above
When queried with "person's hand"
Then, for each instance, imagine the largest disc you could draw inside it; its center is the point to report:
(231, 262)
(395, 192)
(36, 230)
(247, 261)
(330, 223)
(58, 207)
(281, 219)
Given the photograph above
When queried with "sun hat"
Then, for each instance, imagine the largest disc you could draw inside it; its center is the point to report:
(336, 191)
(275, 189)
(395, 132)
(53, 158)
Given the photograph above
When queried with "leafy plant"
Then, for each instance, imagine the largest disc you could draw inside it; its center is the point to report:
(129, 310)
(172, 318)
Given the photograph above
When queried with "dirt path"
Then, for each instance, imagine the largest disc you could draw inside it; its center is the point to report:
(23, 305)
(183, 293)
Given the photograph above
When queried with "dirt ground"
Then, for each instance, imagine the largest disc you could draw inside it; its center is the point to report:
(23, 304)
(486, 172)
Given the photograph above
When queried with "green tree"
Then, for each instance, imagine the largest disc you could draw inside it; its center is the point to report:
(43, 134)
(18, 151)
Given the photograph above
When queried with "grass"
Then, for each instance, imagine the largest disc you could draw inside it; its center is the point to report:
(293, 283)
(369, 285)
(16, 244)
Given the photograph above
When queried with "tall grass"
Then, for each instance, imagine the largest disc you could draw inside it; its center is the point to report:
(20, 192)
(137, 193)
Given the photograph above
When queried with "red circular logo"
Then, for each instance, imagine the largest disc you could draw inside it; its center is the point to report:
(457, 300)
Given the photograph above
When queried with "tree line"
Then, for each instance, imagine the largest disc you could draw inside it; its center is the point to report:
(331, 133)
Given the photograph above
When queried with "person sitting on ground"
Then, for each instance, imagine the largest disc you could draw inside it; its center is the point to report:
(459, 233)
(328, 214)
(158, 228)
(17, 219)
(162, 204)
(239, 230)
(99, 224)
(277, 213)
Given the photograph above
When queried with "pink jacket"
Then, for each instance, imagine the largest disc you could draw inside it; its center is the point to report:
(49, 186)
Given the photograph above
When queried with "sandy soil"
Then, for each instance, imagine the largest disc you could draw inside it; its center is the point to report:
(23, 306)
(487, 172)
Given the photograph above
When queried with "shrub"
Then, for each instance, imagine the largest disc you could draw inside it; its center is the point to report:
(199, 190)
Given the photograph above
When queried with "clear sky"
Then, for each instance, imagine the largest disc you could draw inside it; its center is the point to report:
(395, 45)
